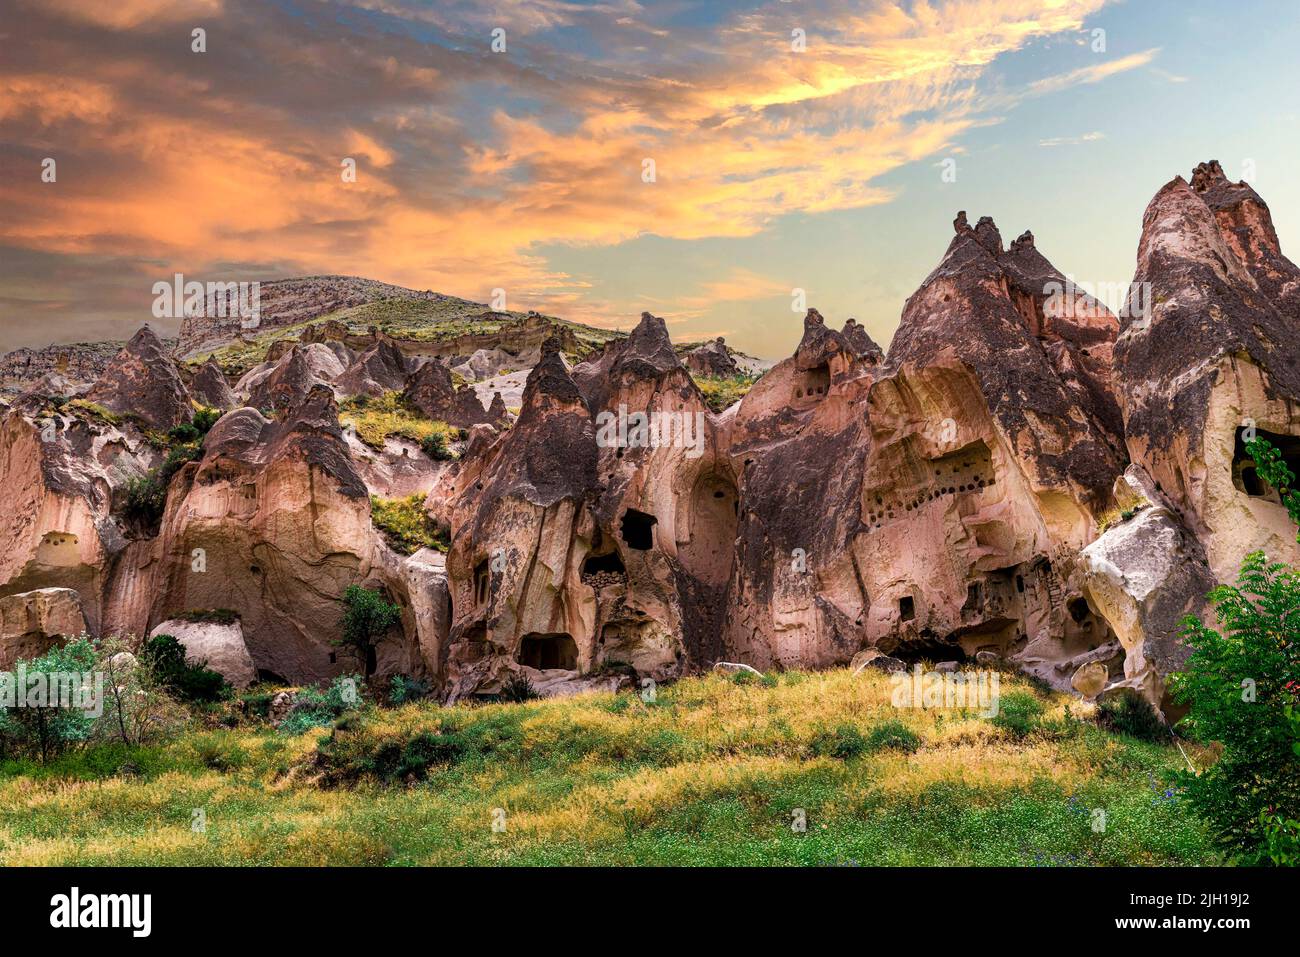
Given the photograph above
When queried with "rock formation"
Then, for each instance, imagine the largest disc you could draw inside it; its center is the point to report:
(712, 358)
(142, 380)
(1026, 478)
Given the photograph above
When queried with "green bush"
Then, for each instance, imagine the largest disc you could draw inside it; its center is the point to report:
(45, 727)
(1019, 713)
(893, 735)
(1131, 715)
(1239, 684)
(146, 498)
(518, 688)
(313, 708)
(842, 743)
(435, 446)
(164, 655)
(403, 690)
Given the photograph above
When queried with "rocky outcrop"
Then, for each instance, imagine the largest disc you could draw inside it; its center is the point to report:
(33, 622)
(209, 386)
(1145, 576)
(381, 368)
(217, 645)
(286, 382)
(1212, 361)
(430, 391)
(142, 380)
(712, 358)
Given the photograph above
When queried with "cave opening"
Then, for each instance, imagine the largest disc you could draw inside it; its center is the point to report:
(637, 529)
(550, 651)
(606, 566)
(1244, 474)
(482, 581)
(907, 608)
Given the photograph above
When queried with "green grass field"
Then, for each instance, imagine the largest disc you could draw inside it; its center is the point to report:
(714, 771)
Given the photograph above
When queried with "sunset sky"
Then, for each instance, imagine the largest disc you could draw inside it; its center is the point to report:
(523, 169)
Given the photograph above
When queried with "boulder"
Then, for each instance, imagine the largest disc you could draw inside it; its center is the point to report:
(1090, 679)
(220, 646)
(1145, 575)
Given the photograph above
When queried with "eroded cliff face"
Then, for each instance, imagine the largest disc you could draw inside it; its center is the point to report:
(1025, 478)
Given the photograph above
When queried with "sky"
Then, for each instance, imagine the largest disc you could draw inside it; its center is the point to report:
(699, 160)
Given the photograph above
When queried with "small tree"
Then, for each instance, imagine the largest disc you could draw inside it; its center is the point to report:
(35, 720)
(367, 617)
(1243, 689)
(137, 707)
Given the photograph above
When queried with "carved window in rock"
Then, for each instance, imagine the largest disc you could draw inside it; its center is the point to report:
(812, 385)
(637, 529)
(967, 470)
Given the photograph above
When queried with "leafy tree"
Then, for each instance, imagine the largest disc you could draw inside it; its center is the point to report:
(1243, 688)
(367, 617)
(36, 720)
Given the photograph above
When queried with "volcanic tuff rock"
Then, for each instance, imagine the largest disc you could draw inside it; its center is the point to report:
(1025, 478)
(1215, 358)
(220, 646)
(142, 380)
(712, 358)
(210, 387)
(33, 622)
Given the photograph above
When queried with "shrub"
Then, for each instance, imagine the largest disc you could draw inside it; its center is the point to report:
(1019, 713)
(895, 736)
(137, 706)
(146, 498)
(204, 419)
(60, 717)
(403, 690)
(435, 446)
(314, 708)
(1133, 716)
(164, 655)
(842, 743)
(518, 688)
(1239, 685)
(367, 617)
